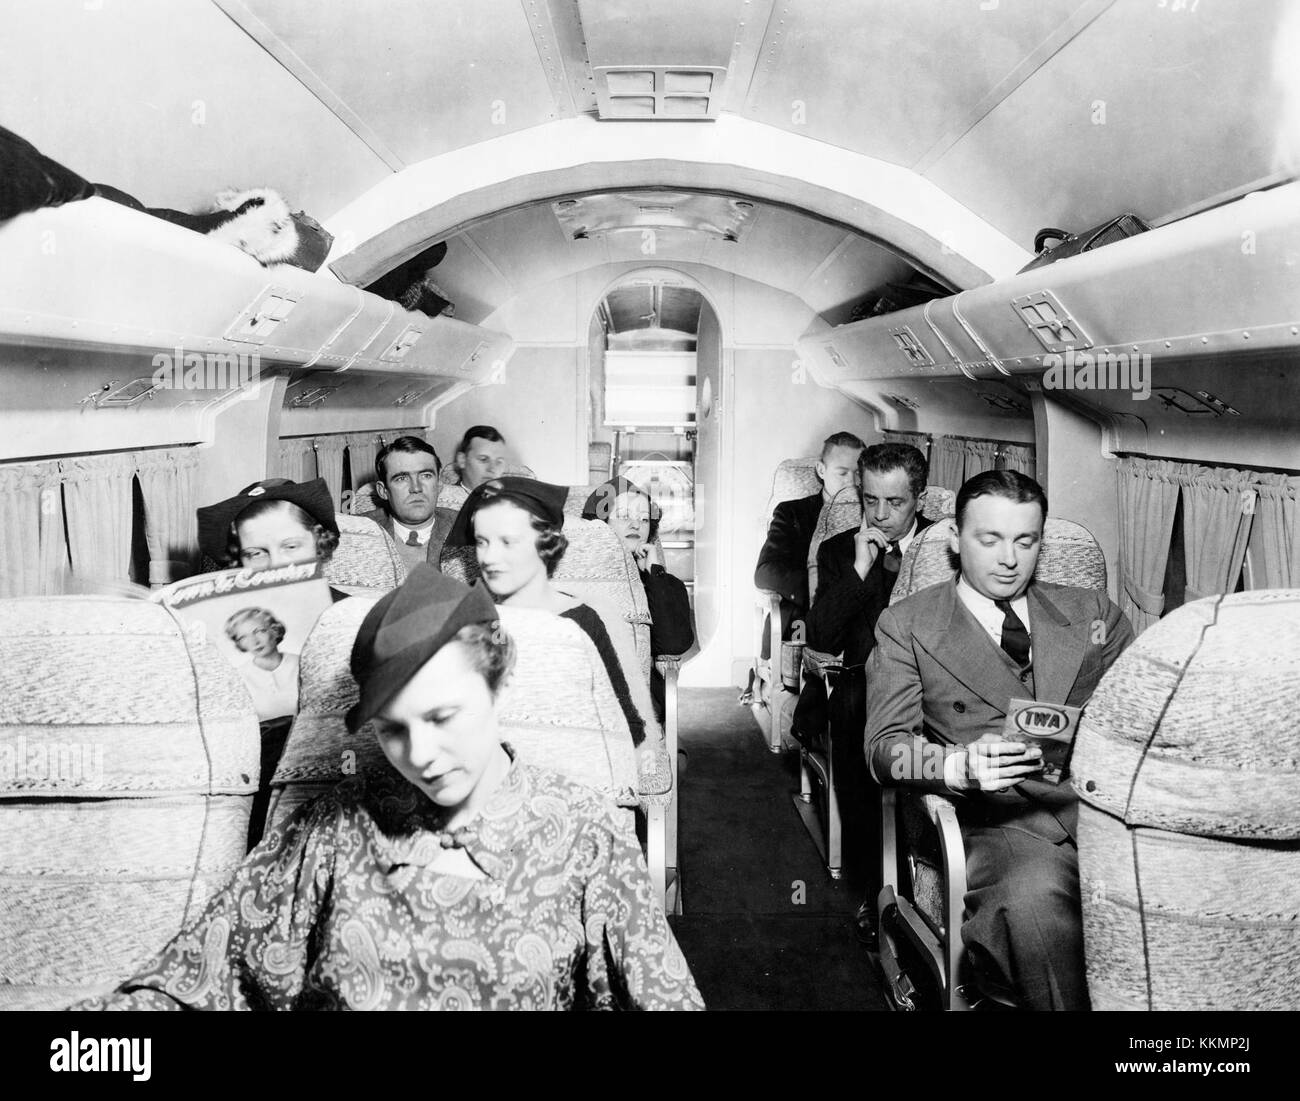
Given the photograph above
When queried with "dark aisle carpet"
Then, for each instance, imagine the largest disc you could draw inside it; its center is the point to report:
(764, 926)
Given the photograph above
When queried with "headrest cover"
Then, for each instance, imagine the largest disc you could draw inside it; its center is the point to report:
(404, 629)
(312, 497)
(542, 499)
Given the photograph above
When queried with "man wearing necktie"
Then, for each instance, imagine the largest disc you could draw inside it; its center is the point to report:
(856, 572)
(948, 660)
(406, 486)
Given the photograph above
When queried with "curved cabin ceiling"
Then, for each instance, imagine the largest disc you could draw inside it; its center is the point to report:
(1020, 115)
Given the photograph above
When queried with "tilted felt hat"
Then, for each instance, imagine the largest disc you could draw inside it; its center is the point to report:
(405, 629)
(600, 505)
(542, 499)
(312, 497)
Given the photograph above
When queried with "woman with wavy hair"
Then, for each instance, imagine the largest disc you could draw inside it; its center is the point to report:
(449, 874)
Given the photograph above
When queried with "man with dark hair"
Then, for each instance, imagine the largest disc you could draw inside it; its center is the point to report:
(948, 660)
(783, 561)
(406, 485)
(856, 571)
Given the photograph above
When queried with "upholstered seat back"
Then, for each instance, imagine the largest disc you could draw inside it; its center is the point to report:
(1070, 555)
(1187, 766)
(794, 479)
(558, 710)
(129, 755)
(365, 560)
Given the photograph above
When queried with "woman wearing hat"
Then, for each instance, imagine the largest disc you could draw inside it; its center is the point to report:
(449, 875)
(271, 523)
(634, 517)
(514, 525)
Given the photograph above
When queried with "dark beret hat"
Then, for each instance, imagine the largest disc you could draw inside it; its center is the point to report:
(405, 629)
(312, 497)
(600, 505)
(542, 499)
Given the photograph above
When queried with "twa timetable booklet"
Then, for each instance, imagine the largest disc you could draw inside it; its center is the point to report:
(259, 620)
(1051, 727)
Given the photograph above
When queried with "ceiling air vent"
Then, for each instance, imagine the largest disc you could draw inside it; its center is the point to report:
(670, 93)
(1051, 322)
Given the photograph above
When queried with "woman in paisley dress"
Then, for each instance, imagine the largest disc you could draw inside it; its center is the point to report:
(450, 875)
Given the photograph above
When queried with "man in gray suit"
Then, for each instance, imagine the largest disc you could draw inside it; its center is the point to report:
(407, 487)
(947, 662)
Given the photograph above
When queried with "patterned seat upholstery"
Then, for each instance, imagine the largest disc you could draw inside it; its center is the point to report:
(925, 826)
(558, 710)
(129, 756)
(365, 561)
(1187, 767)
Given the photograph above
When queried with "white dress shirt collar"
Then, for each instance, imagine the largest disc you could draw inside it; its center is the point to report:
(401, 532)
(989, 615)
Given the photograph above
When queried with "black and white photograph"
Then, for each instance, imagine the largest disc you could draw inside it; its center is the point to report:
(803, 499)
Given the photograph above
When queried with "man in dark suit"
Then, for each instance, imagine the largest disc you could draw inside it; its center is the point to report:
(407, 487)
(948, 660)
(783, 561)
(856, 571)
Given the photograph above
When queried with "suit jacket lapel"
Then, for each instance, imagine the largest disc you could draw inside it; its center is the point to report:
(1058, 647)
(956, 641)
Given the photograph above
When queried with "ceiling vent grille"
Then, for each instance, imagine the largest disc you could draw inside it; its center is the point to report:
(672, 93)
(911, 347)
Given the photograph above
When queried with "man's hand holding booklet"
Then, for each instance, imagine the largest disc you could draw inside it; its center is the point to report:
(1048, 726)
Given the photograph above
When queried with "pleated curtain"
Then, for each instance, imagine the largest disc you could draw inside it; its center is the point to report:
(1019, 457)
(32, 549)
(168, 485)
(1218, 508)
(919, 440)
(981, 455)
(97, 506)
(1275, 537)
(1148, 496)
(362, 449)
(297, 460)
(329, 464)
(947, 462)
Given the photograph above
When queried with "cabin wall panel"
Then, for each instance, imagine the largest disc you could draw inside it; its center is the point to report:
(539, 405)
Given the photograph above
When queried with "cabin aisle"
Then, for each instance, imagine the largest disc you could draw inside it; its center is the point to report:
(764, 926)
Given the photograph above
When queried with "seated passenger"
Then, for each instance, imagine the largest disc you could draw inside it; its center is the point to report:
(456, 876)
(783, 561)
(947, 662)
(634, 518)
(514, 525)
(269, 524)
(406, 485)
(270, 675)
(480, 456)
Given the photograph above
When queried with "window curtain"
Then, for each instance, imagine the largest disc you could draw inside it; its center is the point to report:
(362, 449)
(32, 549)
(329, 465)
(97, 504)
(1019, 457)
(297, 460)
(947, 463)
(981, 455)
(1275, 538)
(919, 440)
(1148, 496)
(168, 484)
(1218, 507)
